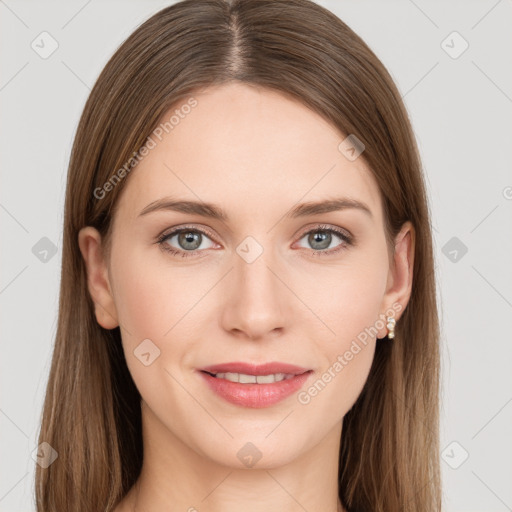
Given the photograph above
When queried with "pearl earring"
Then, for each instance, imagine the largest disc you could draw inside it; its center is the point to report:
(391, 327)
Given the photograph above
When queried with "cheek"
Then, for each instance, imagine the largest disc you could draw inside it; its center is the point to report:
(151, 296)
(352, 312)
(351, 309)
(165, 304)
(352, 300)
(138, 301)
(150, 302)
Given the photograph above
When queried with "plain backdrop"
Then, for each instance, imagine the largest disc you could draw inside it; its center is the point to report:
(452, 63)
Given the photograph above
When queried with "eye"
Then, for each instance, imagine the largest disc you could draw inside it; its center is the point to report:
(189, 240)
(321, 238)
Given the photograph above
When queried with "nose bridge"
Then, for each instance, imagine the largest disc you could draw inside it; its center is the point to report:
(256, 296)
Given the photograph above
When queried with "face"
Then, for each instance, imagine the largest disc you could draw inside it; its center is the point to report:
(272, 281)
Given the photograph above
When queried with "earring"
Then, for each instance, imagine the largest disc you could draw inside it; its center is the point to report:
(391, 327)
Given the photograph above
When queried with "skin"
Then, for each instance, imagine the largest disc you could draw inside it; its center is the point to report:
(256, 153)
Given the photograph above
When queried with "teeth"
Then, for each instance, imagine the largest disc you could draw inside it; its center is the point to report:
(243, 378)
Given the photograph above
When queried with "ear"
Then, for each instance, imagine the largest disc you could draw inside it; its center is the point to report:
(399, 285)
(98, 282)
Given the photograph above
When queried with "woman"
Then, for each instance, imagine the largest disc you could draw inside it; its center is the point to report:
(248, 310)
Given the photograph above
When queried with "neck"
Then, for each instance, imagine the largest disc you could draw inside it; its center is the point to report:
(175, 477)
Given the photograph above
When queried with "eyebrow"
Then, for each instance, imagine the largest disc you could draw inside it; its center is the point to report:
(216, 212)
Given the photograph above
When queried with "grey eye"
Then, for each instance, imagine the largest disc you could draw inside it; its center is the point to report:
(321, 239)
(188, 240)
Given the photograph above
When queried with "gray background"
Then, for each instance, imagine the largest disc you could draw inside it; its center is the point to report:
(460, 107)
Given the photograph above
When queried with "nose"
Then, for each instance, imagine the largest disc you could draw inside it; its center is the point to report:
(256, 298)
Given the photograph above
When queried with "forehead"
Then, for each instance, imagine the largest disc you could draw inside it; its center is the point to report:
(245, 148)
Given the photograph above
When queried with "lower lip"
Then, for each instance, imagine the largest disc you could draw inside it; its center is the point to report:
(255, 395)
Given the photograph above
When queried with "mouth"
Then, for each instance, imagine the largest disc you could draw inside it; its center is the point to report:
(272, 368)
(244, 378)
(255, 386)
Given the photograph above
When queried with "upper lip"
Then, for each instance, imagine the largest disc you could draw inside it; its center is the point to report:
(255, 369)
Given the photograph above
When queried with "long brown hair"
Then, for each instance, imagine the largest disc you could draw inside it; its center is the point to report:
(389, 456)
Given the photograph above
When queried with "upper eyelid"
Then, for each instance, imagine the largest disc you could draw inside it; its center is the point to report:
(178, 229)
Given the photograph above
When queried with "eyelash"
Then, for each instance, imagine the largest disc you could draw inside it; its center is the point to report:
(346, 239)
